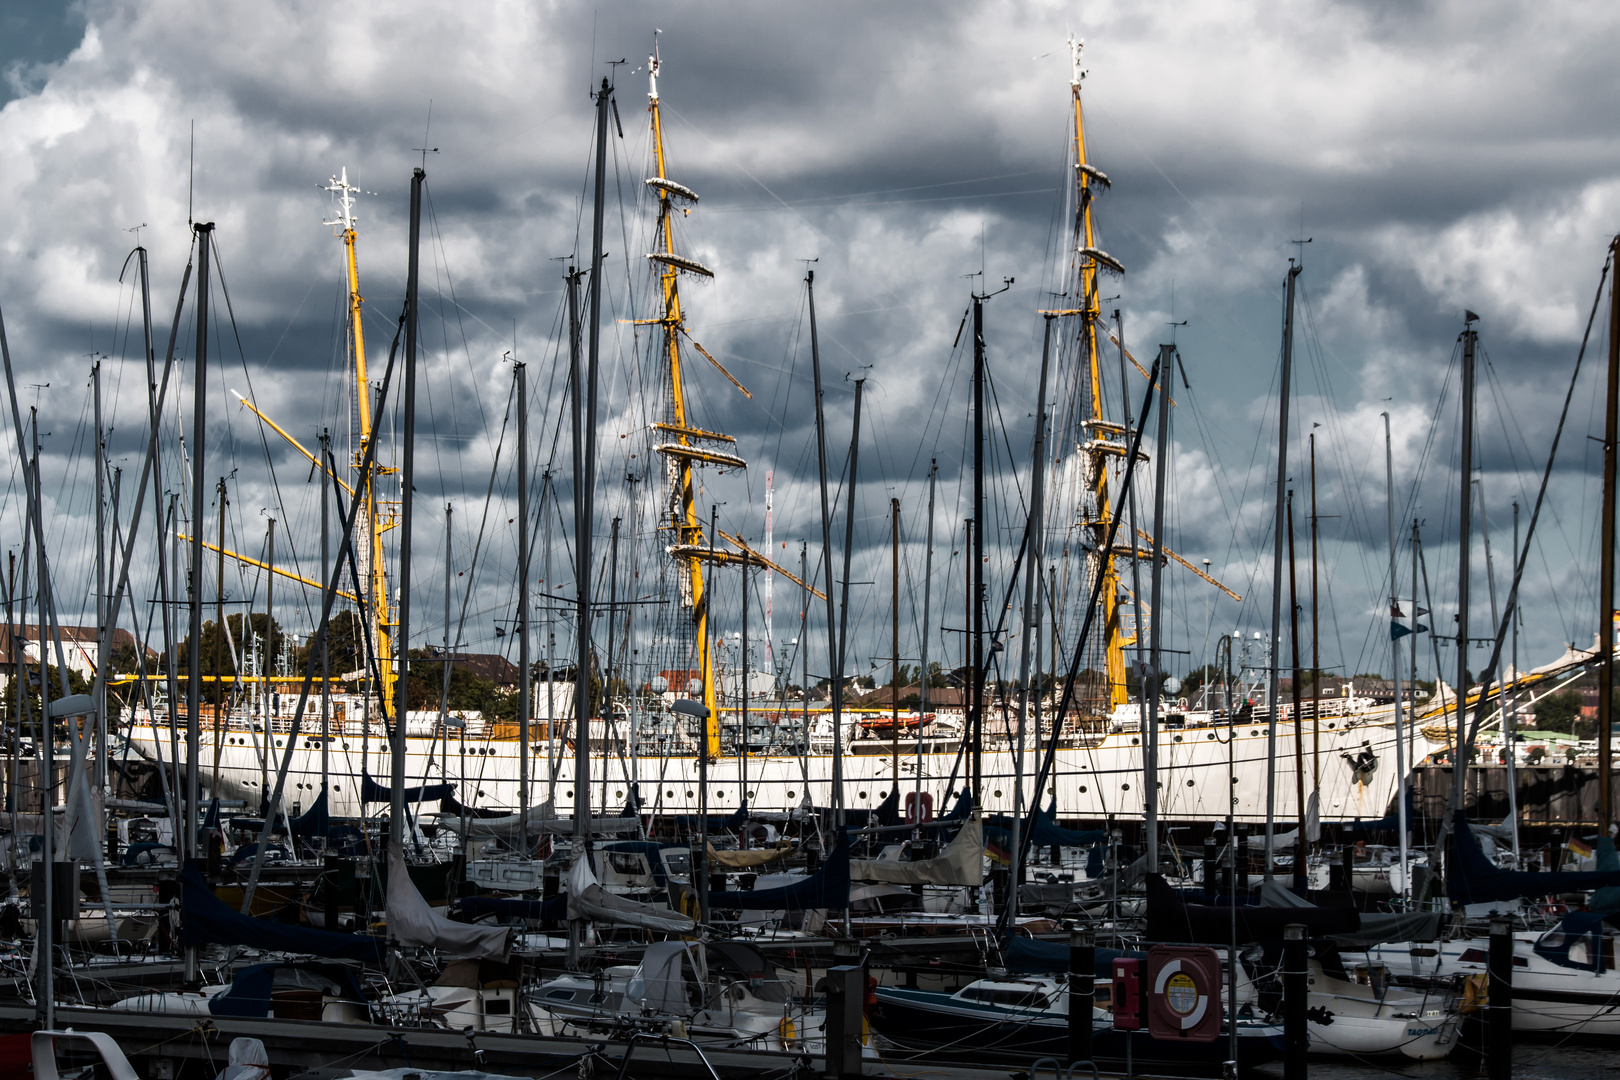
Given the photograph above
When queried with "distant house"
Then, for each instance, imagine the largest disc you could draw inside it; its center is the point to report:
(79, 647)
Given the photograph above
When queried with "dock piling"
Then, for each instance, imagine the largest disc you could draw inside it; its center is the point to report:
(1499, 1029)
(1296, 1036)
(1082, 993)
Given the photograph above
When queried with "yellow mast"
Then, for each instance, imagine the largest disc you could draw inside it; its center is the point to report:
(370, 554)
(1089, 260)
(679, 457)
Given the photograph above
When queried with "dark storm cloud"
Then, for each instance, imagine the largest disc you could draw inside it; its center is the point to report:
(1443, 156)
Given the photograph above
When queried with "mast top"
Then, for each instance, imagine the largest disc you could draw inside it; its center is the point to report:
(1075, 74)
(652, 69)
(345, 193)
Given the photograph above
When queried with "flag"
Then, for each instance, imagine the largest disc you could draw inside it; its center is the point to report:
(1397, 630)
(1469, 316)
(1422, 611)
(1395, 612)
(1581, 848)
(1420, 629)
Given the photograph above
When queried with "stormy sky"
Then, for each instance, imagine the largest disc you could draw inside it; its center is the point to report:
(1439, 157)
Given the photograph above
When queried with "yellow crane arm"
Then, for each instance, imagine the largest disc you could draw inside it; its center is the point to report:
(278, 571)
(768, 564)
(1143, 533)
(721, 367)
(277, 428)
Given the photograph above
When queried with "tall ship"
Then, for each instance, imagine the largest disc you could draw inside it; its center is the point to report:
(767, 752)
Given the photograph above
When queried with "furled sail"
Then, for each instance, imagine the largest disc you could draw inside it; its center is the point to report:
(961, 863)
(588, 900)
(412, 922)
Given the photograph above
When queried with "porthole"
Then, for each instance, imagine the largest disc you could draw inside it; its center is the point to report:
(1191, 784)
(345, 746)
(569, 793)
(1211, 735)
(688, 794)
(1082, 789)
(1234, 781)
(881, 795)
(1178, 738)
(1256, 734)
(278, 743)
(1332, 726)
(1135, 741)
(618, 794)
(1124, 787)
(998, 794)
(791, 794)
(750, 794)
(669, 794)
(481, 793)
(862, 795)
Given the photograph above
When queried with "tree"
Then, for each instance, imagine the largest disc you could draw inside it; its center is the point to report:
(1559, 712)
(345, 644)
(220, 650)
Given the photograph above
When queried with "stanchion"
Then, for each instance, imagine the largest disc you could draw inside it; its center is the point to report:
(1499, 1026)
(1210, 880)
(1082, 993)
(1296, 1036)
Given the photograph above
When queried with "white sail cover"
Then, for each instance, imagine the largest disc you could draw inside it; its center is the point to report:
(588, 900)
(412, 922)
(961, 863)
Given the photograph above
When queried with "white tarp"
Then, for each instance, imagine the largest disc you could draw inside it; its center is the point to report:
(961, 863)
(588, 900)
(659, 984)
(412, 922)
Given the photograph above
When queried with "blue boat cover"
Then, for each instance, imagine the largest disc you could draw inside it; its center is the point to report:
(828, 887)
(733, 820)
(1389, 822)
(1033, 956)
(1474, 879)
(251, 989)
(371, 791)
(1047, 831)
(1170, 918)
(449, 804)
(206, 920)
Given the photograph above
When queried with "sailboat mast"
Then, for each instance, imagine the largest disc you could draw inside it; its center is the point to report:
(407, 463)
(976, 578)
(584, 496)
(843, 599)
(1276, 573)
(520, 374)
(1029, 640)
(1089, 261)
(1465, 532)
(103, 652)
(369, 553)
(1316, 641)
(826, 560)
(1611, 433)
(1151, 680)
(1401, 779)
(928, 596)
(688, 528)
(894, 641)
(1299, 732)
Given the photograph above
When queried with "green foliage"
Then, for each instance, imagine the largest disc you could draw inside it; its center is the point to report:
(1560, 712)
(467, 690)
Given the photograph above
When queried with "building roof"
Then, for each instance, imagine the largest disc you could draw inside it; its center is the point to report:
(81, 636)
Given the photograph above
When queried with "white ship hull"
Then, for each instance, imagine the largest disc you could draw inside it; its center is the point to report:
(1355, 757)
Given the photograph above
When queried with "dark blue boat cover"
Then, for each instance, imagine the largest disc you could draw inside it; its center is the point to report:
(1170, 918)
(1047, 831)
(371, 791)
(1474, 879)
(828, 887)
(1033, 956)
(206, 920)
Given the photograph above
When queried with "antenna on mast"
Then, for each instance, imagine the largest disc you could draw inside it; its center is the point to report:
(1075, 46)
(653, 63)
(345, 193)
